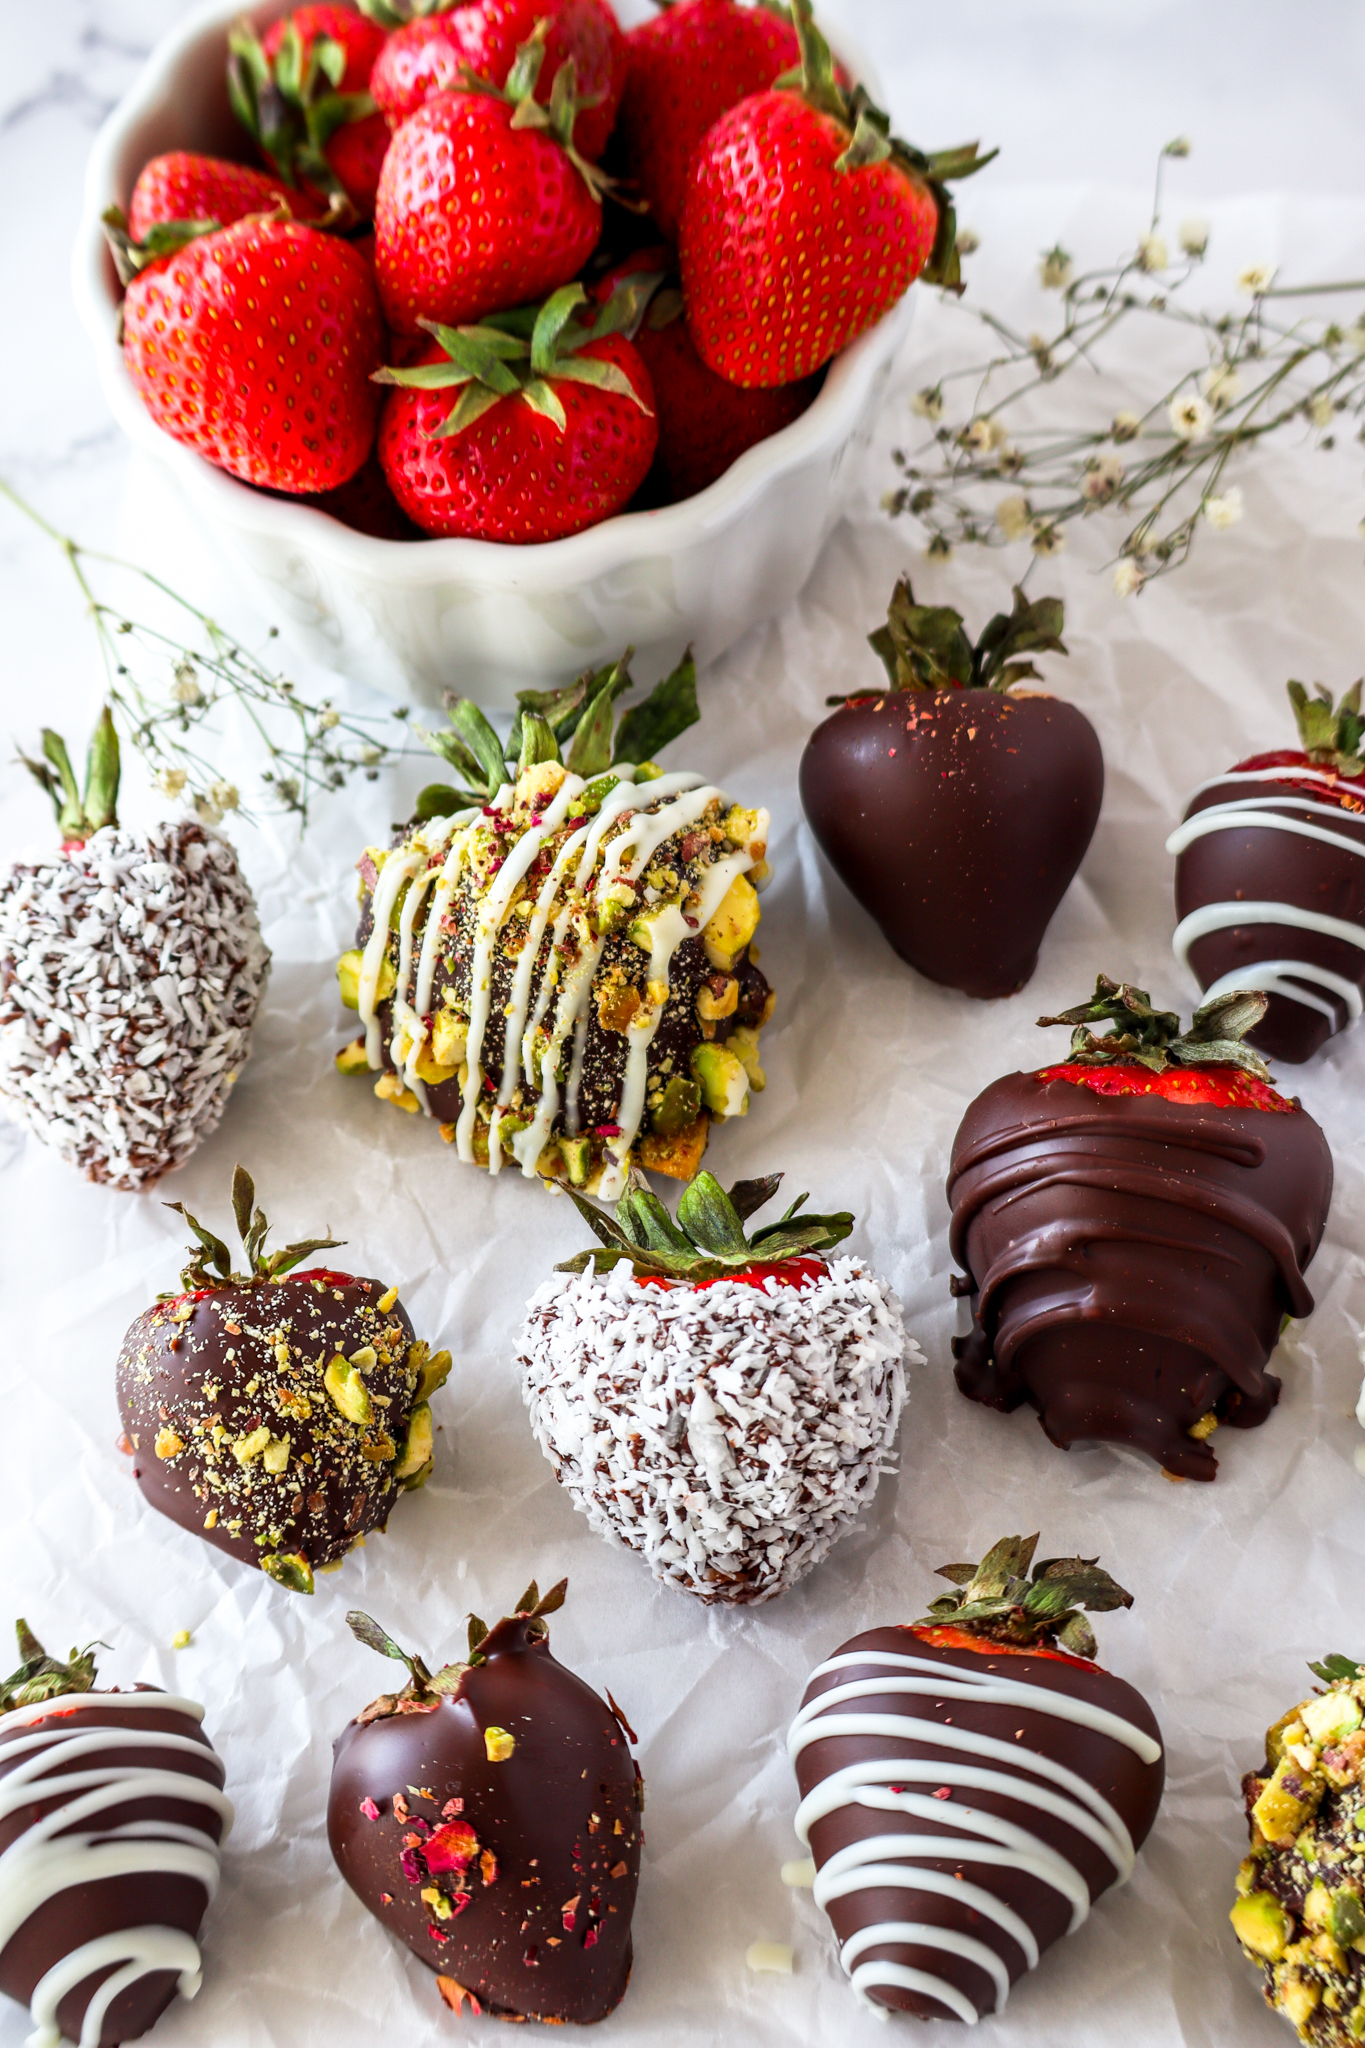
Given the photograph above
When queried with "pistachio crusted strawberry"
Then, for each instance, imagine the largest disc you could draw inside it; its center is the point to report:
(724, 1404)
(1135, 1223)
(555, 962)
(278, 1414)
(489, 1816)
(1300, 1907)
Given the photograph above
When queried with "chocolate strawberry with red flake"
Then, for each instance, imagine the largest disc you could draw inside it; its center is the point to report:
(724, 1404)
(1270, 878)
(278, 1414)
(1135, 1223)
(302, 94)
(805, 220)
(489, 1816)
(530, 426)
(971, 1783)
(955, 806)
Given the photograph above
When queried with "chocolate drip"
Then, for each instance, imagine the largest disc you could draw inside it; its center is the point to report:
(899, 1816)
(541, 1928)
(1265, 865)
(87, 1908)
(1131, 1259)
(957, 818)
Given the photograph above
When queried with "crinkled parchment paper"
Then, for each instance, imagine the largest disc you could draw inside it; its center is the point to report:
(869, 1070)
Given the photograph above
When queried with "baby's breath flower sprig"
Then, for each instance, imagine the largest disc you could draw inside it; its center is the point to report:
(164, 685)
(1161, 463)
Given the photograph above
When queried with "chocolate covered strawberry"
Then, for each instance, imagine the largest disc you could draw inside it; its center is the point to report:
(955, 806)
(804, 221)
(484, 201)
(971, 1783)
(527, 427)
(1270, 879)
(1134, 1223)
(724, 1404)
(302, 94)
(131, 970)
(112, 1819)
(687, 66)
(1300, 1907)
(489, 1816)
(277, 1414)
(255, 345)
(433, 49)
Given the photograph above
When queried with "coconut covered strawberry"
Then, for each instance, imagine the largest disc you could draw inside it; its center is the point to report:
(724, 1404)
(555, 962)
(1134, 1223)
(278, 1414)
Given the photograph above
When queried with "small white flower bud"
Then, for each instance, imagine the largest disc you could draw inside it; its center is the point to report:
(1128, 578)
(170, 781)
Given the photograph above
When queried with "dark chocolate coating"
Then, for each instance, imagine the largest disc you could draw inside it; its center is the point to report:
(1132, 1787)
(83, 1912)
(957, 818)
(1260, 864)
(547, 1936)
(178, 1375)
(1131, 1259)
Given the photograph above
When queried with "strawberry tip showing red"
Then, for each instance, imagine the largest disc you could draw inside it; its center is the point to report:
(1152, 1039)
(1000, 1601)
(707, 1240)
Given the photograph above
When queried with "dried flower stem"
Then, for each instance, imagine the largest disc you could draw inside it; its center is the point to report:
(1257, 375)
(311, 747)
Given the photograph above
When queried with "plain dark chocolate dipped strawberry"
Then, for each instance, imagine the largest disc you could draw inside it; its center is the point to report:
(1135, 1224)
(955, 807)
(277, 1414)
(111, 1820)
(489, 1816)
(971, 1783)
(1270, 879)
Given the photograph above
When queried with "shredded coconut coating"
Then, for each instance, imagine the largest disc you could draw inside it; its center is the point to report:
(731, 1433)
(130, 972)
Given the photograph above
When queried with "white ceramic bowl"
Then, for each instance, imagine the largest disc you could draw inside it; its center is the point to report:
(415, 616)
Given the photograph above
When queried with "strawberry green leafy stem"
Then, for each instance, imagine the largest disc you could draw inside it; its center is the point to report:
(927, 646)
(426, 1686)
(164, 687)
(211, 1253)
(998, 1599)
(293, 108)
(707, 1241)
(1331, 733)
(41, 1677)
(1141, 1036)
(1165, 462)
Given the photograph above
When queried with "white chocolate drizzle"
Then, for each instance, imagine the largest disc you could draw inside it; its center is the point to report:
(968, 1834)
(646, 815)
(69, 1847)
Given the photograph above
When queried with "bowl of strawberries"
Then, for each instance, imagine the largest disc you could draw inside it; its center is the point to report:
(495, 335)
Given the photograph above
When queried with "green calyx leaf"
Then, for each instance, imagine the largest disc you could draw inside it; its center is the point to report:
(871, 142)
(41, 1677)
(210, 1264)
(292, 107)
(1332, 1670)
(163, 238)
(80, 814)
(392, 14)
(1152, 1038)
(706, 1241)
(1002, 1600)
(1331, 734)
(927, 647)
(556, 116)
(524, 354)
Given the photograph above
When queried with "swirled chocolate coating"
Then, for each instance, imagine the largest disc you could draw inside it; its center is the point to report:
(514, 1877)
(1131, 1259)
(958, 1833)
(1264, 866)
(957, 818)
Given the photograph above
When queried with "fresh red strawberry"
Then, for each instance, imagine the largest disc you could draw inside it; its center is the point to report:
(186, 187)
(687, 67)
(433, 53)
(484, 203)
(804, 222)
(1134, 1224)
(256, 344)
(303, 94)
(553, 429)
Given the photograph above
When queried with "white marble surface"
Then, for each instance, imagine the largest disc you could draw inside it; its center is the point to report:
(869, 1072)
